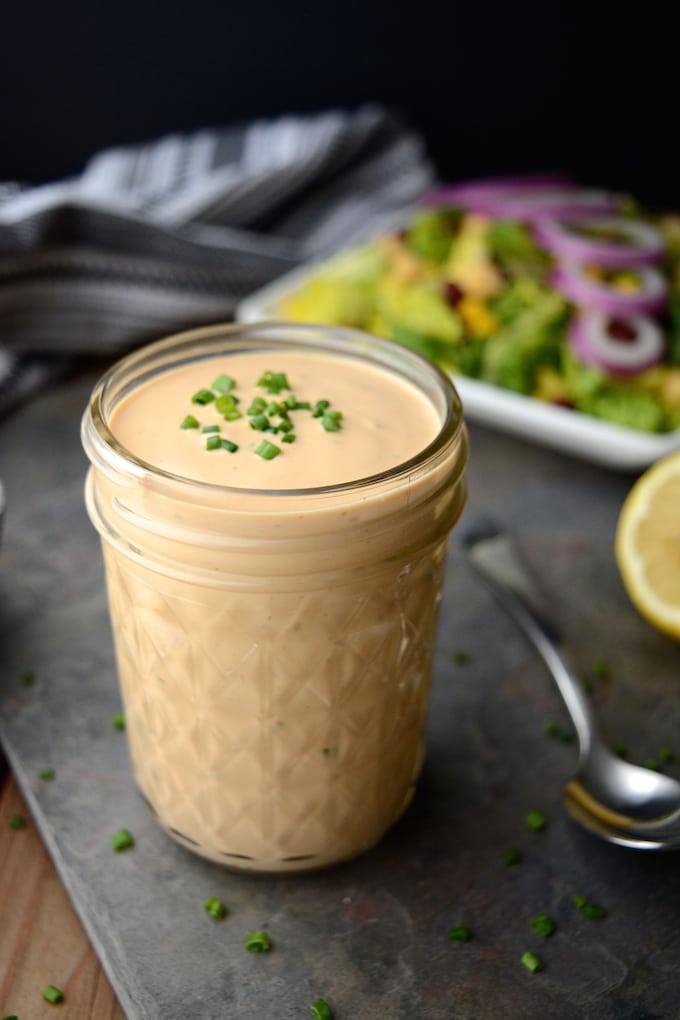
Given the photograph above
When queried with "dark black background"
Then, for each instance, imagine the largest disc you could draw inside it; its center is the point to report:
(592, 89)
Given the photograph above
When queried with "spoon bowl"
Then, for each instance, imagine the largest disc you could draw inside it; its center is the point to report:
(612, 798)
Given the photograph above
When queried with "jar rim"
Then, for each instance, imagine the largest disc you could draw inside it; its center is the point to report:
(101, 444)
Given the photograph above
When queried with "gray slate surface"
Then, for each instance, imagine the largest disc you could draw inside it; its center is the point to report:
(369, 936)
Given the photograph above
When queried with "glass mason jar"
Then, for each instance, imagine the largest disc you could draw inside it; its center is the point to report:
(274, 647)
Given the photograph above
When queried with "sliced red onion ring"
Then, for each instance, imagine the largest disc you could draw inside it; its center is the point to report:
(478, 190)
(571, 280)
(592, 340)
(644, 244)
(532, 204)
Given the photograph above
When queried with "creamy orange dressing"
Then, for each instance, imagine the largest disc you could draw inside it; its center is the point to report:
(274, 650)
(386, 421)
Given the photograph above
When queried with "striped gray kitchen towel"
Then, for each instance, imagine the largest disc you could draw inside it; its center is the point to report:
(162, 236)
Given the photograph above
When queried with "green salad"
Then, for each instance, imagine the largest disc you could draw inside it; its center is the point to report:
(581, 311)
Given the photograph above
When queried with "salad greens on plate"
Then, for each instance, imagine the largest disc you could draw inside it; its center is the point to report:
(567, 296)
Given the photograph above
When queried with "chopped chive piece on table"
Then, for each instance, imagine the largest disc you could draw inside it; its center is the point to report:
(258, 942)
(12, 1017)
(216, 908)
(543, 924)
(257, 406)
(535, 820)
(619, 748)
(16, 822)
(512, 855)
(652, 763)
(267, 450)
(52, 994)
(227, 444)
(593, 911)
(320, 1010)
(550, 728)
(46, 774)
(213, 443)
(666, 755)
(223, 383)
(459, 934)
(531, 962)
(190, 422)
(122, 840)
(601, 669)
(118, 721)
(210, 428)
(288, 438)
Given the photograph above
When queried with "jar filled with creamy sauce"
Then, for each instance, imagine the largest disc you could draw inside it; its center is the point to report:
(274, 503)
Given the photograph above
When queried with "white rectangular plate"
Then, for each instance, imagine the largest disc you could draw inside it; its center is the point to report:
(571, 432)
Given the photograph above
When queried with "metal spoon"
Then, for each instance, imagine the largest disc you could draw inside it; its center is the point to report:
(619, 801)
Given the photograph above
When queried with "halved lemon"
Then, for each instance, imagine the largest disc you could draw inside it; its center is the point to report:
(647, 544)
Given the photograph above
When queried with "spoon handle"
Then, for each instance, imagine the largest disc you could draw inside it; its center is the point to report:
(494, 557)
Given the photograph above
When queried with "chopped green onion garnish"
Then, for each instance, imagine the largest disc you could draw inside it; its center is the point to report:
(216, 908)
(535, 820)
(579, 900)
(226, 404)
(601, 669)
(666, 755)
(190, 422)
(16, 822)
(543, 924)
(203, 397)
(118, 721)
(260, 422)
(274, 382)
(46, 774)
(285, 426)
(512, 855)
(227, 444)
(618, 747)
(531, 962)
(213, 443)
(301, 405)
(52, 994)
(232, 415)
(332, 421)
(267, 450)
(12, 1017)
(319, 408)
(550, 728)
(459, 934)
(122, 840)
(320, 1010)
(223, 384)
(652, 763)
(288, 438)
(258, 405)
(28, 679)
(210, 428)
(258, 942)
(593, 911)
(460, 657)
